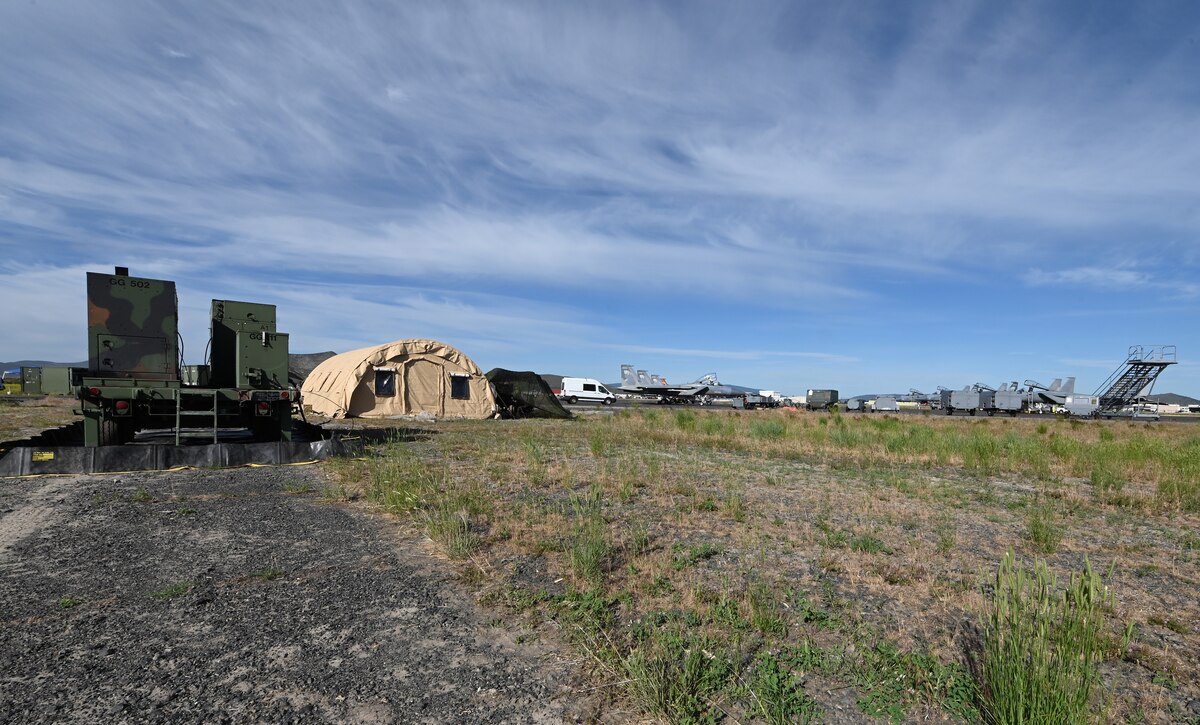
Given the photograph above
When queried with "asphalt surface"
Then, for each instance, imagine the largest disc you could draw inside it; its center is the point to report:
(242, 596)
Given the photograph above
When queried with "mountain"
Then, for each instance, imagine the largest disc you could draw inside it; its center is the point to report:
(40, 364)
(1172, 399)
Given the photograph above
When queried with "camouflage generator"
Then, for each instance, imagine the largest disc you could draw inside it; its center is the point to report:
(136, 379)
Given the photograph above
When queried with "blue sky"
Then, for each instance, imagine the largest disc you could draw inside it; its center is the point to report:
(867, 196)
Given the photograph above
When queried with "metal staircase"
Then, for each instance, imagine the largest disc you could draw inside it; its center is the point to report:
(210, 396)
(1135, 376)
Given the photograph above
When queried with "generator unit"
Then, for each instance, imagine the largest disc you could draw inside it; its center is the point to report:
(971, 399)
(821, 400)
(136, 379)
(1008, 399)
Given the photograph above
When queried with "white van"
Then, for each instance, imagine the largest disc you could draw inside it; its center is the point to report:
(577, 389)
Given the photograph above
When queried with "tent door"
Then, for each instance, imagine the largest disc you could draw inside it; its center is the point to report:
(423, 387)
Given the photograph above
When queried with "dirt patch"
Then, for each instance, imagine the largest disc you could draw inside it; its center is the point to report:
(214, 596)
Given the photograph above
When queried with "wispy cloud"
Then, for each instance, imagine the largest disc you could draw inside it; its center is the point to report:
(732, 354)
(786, 162)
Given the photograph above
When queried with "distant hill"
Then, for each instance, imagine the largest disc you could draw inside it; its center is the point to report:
(299, 366)
(40, 364)
(1172, 399)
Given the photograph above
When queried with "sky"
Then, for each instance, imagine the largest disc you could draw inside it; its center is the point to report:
(867, 196)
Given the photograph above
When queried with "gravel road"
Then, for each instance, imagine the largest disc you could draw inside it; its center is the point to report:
(242, 596)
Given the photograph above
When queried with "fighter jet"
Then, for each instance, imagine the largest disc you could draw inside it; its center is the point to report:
(1055, 394)
(701, 391)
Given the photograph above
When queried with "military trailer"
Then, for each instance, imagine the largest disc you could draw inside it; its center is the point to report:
(970, 399)
(58, 380)
(23, 381)
(1008, 399)
(821, 400)
(885, 404)
(136, 379)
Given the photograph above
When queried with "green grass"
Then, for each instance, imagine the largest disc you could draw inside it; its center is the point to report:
(1042, 647)
(1043, 529)
(778, 694)
(625, 510)
(69, 602)
(773, 429)
(687, 556)
(175, 589)
(267, 573)
(678, 677)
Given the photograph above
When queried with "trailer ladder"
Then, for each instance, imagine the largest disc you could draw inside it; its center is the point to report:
(1141, 368)
(180, 411)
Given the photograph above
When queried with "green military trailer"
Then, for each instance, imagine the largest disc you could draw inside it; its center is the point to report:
(58, 380)
(24, 380)
(821, 400)
(136, 380)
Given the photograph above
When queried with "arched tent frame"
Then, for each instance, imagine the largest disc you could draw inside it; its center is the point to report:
(425, 373)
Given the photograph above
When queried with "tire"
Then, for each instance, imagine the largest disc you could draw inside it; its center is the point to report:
(572, 400)
(973, 411)
(608, 401)
(114, 432)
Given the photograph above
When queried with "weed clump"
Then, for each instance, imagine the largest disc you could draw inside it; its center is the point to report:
(1042, 647)
(771, 430)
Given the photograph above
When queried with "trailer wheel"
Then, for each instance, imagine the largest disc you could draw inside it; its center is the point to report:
(972, 411)
(114, 433)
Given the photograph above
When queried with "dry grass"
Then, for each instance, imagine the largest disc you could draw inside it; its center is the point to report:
(854, 534)
(20, 419)
(799, 553)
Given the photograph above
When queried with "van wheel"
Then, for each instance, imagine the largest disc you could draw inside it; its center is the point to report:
(608, 401)
(572, 400)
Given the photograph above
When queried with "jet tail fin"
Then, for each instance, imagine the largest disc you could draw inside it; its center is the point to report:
(1055, 385)
(1069, 386)
(628, 378)
(643, 378)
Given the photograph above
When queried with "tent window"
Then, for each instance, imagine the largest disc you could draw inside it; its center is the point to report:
(460, 387)
(385, 383)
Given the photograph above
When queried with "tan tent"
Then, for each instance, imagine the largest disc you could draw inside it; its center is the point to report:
(406, 377)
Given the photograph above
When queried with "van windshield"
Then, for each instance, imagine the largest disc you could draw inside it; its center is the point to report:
(604, 390)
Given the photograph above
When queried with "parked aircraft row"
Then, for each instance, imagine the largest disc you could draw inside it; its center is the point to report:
(701, 390)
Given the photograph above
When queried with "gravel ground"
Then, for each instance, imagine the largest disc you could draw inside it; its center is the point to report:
(242, 596)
